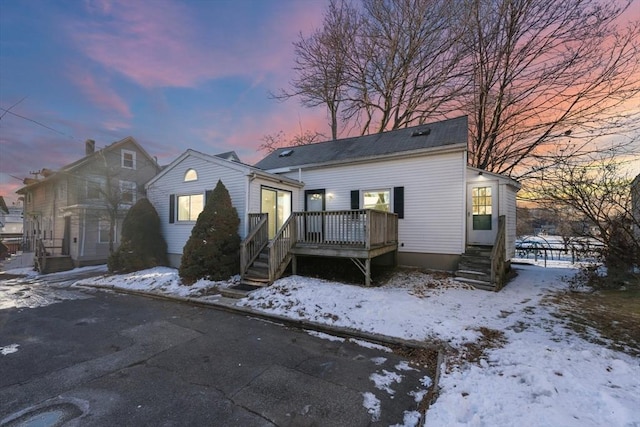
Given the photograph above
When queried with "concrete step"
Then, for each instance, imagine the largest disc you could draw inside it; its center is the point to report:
(478, 284)
(474, 267)
(475, 259)
(481, 276)
(484, 251)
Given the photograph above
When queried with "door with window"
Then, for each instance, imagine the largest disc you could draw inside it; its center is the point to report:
(314, 201)
(482, 212)
(277, 204)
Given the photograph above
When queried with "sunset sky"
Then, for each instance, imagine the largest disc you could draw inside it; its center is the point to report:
(172, 74)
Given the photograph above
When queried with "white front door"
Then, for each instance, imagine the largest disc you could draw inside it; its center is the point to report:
(482, 212)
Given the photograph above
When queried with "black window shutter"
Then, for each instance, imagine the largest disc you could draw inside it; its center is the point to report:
(355, 199)
(207, 196)
(172, 208)
(398, 201)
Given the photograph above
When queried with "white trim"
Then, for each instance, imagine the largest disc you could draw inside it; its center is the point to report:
(226, 163)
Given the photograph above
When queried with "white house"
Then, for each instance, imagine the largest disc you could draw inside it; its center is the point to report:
(180, 191)
(407, 193)
(421, 173)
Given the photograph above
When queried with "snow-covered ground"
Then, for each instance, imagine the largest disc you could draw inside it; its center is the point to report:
(543, 375)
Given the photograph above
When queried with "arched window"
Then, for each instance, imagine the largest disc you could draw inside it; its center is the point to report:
(190, 175)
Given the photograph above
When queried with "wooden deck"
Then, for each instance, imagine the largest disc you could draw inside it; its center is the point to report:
(359, 235)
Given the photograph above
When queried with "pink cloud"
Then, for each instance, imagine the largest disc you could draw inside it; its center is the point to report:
(102, 96)
(161, 43)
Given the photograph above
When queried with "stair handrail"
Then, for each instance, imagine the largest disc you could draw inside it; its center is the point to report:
(498, 257)
(280, 247)
(255, 242)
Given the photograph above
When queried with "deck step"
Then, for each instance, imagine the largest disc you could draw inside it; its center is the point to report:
(255, 281)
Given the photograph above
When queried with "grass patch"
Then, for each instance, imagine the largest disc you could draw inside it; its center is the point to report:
(606, 317)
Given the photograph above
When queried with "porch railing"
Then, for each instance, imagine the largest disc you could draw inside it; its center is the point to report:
(255, 242)
(364, 228)
(498, 258)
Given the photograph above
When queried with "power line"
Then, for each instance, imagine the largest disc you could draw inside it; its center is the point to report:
(7, 111)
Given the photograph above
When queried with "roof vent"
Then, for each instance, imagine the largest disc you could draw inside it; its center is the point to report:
(421, 132)
(285, 153)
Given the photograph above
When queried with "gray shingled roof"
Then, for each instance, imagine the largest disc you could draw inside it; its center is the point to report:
(432, 135)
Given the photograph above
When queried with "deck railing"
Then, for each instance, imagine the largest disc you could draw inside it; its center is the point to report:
(363, 228)
(366, 228)
(498, 258)
(255, 241)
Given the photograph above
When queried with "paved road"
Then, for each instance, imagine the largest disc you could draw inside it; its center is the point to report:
(104, 359)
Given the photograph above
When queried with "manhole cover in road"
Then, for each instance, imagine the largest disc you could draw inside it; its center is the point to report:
(53, 415)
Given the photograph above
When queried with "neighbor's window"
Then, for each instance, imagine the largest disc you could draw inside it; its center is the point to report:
(128, 159)
(377, 199)
(128, 190)
(103, 231)
(95, 186)
(191, 175)
(189, 207)
(62, 191)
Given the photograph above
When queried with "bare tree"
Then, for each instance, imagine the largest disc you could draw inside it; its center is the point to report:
(272, 142)
(598, 191)
(321, 62)
(405, 64)
(530, 74)
(543, 70)
(386, 65)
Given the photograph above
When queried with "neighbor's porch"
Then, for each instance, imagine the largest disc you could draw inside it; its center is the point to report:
(359, 235)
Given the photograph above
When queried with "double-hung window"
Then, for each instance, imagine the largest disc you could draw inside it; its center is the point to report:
(128, 190)
(103, 231)
(190, 206)
(95, 187)
(128, 159)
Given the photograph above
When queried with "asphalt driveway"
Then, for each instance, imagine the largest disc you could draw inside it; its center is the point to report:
(113, 359)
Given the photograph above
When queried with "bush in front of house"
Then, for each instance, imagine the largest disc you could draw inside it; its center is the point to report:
(213, 250)
(141, 244)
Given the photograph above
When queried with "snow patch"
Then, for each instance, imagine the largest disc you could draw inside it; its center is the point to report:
(384, 380)
(8, 349)
(372, 405)
(324, 336)
(411, 419)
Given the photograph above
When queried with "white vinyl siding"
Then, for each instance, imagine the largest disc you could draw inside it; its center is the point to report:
(434, 193)
(172, 182)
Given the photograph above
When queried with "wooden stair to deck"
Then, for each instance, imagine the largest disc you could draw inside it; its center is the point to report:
(475, 268)
(256, 277)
